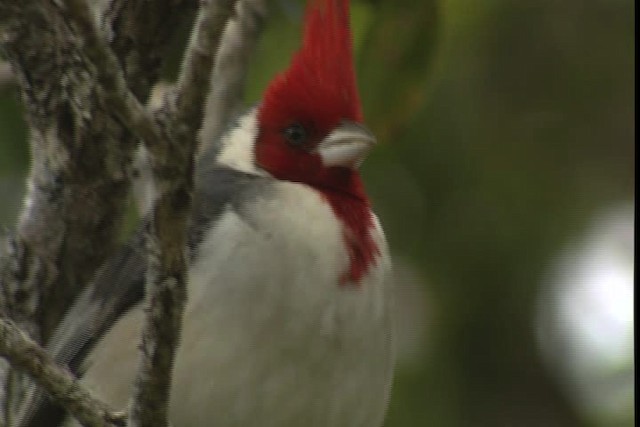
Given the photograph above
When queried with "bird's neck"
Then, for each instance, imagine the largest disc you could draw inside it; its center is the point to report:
(351, 206)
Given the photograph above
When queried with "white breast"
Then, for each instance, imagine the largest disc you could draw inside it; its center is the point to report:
(269, 337)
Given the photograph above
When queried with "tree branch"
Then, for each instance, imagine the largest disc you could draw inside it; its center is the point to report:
(195, 74)
(23, 353)
(120, 100)
(172, 163)
(81, 149)
(139, 32)
(230, 72)
(97, 86)
(6, 75)
(78, 180)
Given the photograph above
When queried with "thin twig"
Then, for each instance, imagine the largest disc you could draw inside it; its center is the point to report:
(23, 353)
(7, 79)
(198, 62)
(230, 73)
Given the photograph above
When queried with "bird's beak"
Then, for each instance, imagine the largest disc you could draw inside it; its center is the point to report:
(346, 146)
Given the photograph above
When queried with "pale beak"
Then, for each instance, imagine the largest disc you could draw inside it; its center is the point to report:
(346, 146)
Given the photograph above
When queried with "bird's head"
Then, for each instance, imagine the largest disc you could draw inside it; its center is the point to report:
(308, 129)
(309, 123)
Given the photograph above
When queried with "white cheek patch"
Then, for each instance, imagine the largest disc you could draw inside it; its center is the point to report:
(238, 146)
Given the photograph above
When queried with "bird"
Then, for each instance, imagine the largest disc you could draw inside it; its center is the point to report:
(289, 287)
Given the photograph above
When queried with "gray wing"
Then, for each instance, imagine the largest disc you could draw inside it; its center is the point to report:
(119, 284)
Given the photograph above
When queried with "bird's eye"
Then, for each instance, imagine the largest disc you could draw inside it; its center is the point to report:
(295, 134)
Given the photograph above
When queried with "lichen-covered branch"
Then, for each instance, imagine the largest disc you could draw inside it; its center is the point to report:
(81, 148)
(82, 119)
(23, 353)
(84, 93)
(78, 177)
(120, 101)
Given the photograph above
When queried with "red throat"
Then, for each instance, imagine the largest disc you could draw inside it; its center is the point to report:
(357, 224)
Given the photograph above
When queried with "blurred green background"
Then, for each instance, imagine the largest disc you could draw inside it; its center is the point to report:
(505, 182)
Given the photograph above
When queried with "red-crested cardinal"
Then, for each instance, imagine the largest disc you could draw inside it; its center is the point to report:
(287, 321)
